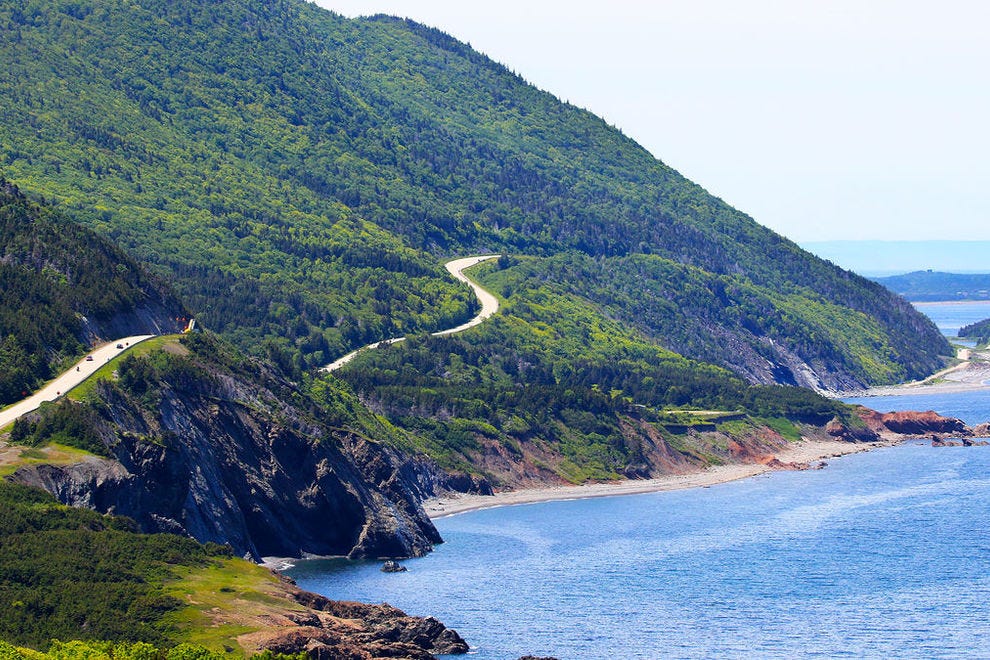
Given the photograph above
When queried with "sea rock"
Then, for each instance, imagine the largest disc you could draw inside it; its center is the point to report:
(386, 627)
(392, 566)
(923, 423)
(982, 430)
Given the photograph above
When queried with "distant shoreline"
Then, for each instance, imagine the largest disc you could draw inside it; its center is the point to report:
(970, 375)
(946, 303)
(804, 452)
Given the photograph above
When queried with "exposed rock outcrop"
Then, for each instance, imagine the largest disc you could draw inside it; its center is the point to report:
(982, 430)
(918, 423)
(221, 458)
(904, 423)
(338, 629)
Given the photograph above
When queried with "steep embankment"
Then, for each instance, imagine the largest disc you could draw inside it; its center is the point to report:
(294, 171)
(195, 440)
(64, 289)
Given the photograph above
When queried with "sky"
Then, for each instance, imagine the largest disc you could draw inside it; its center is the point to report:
(823, 120)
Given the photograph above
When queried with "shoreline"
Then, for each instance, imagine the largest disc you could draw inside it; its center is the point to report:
(803, 452)
(971, 374)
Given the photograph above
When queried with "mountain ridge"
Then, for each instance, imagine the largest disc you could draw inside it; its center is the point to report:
(269, 158)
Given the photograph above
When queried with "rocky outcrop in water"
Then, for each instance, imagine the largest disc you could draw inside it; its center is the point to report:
(920, 423)
(336, 629)
(928, 424)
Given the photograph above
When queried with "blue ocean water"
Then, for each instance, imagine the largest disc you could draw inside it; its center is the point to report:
(950, 316)
(881, 554)
(971, 407)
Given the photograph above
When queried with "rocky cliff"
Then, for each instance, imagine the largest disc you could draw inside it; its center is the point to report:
(876, 425)
(196, 448)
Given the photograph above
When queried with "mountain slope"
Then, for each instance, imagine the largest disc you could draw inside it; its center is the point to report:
(62, 288)
(295, 171)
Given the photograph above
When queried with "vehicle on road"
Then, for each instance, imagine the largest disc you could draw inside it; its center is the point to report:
(89, 358)
(120, 345)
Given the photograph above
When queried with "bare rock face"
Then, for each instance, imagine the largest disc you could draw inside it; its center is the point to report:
(923, 423)
(906, 423)
(224, 466)
(982, 430)
(348, 629)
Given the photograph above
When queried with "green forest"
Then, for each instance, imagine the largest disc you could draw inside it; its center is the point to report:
(295, 180)
(297, 177)
(980, 331)
(55, 276)
(554, 374)
(70, 573)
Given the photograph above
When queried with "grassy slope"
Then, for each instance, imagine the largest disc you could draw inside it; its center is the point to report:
(75, 574)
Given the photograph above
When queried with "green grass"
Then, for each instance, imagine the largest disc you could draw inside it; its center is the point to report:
(225, 600)
(784, 427)
(12, 458)
(83, 390)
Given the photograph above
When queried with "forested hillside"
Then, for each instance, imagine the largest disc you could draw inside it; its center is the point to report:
(297, 174)
(980, 331)
(931, 286)
(62, 286)
(555, 389)
(72, 574)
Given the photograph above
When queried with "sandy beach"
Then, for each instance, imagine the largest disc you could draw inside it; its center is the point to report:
(973, 373)
(808, 451)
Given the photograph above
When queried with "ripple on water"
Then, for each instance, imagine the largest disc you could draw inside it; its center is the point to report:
(882, 554)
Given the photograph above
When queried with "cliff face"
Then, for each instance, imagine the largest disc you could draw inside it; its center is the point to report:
(876, 425)
(222, 459)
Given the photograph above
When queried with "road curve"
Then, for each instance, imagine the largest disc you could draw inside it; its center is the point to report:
(489, 305)
(75, 375)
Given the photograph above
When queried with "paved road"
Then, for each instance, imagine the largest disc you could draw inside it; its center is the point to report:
(75, 375)
(489, 305)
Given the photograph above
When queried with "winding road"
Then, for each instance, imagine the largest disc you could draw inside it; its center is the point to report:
(489, 305)
(75, 375)
(100, 356)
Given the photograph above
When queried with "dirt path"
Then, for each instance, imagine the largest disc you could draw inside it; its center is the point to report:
(489, 305)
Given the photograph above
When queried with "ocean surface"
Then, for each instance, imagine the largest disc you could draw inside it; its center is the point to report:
(950, 316)
(885, 553)
(881, 554)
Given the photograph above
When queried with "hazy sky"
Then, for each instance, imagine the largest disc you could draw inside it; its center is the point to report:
(831, 119)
